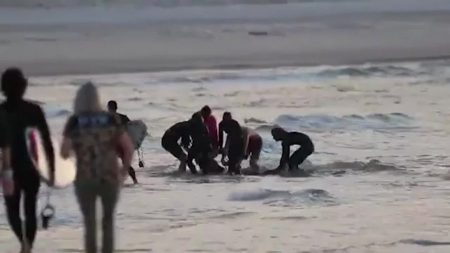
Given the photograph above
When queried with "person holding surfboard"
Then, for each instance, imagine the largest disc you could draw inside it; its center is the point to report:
(289, 139)
(20, 115)
(98, 139)
(112, 108)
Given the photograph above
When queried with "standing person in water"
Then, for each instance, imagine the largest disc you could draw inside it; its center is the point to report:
(234, 147)
(112, 108)
(20, 115)
(253, 144)
(97, 138)
(169, 142)
(211, 125)
(287, 140)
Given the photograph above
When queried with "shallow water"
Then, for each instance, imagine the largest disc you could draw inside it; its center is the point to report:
(378, 178)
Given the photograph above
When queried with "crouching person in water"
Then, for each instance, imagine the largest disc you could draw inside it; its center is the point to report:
(253, 144)
(201, 150)
(170, 143)
(234, 147)
(97, 137)
(287, 140)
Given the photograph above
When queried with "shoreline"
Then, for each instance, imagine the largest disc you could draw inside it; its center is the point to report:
(161, 69)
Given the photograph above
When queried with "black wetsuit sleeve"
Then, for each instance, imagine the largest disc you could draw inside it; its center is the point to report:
(4, 131)
(44, 129)
(221, 135)
(285, 154)
(185, 139)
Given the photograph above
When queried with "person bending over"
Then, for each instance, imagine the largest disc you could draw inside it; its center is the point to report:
(287, 140)
(169, 142)
(253, 144)
(201, 149)
(234, 148)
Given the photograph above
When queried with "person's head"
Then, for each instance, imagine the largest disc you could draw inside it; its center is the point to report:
(226, 116)
(112, 106)
(87, 99)
(278, 133)
(14, 83)
(206, 111)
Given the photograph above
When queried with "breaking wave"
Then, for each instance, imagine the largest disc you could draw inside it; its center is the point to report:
(283, 197)
(319, 122)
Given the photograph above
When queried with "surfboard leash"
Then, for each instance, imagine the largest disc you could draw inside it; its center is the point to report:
(48, 212)
(140, 157)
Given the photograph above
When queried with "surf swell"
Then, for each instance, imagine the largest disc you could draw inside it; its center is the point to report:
(321, 122)
(283, 197)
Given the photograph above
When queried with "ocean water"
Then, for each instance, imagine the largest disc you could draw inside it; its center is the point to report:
(379, 174)
(70, 12)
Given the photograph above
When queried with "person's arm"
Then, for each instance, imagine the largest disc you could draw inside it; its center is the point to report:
(48, 145)
(66, 148)
(214, 133)
(225, 149)
(185, 140)
(66, 145)
(246, 135)
(284, 155)
(126, 146)
(4, 144)
(220, 136)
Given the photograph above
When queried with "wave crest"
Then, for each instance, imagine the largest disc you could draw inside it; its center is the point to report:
(321, 122)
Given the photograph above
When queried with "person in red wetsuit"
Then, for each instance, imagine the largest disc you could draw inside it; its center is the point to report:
(211, 125)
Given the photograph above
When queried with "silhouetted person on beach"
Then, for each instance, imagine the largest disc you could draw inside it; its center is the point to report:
(112, 108)
(287, 140)
(234, 147)
(170, 139)
(20, 115)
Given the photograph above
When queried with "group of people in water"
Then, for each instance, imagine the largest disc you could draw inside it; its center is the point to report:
(199, 140)
(98, 140)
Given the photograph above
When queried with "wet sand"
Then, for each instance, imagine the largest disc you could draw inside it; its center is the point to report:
(93, 48)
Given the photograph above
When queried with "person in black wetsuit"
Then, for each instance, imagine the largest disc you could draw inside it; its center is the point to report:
(234, 147)
(112, 108)
(169, 142)
(287, 140)
(20, 115)
(201, 149)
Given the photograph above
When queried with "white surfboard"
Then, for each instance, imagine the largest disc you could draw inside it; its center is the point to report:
(137, 130)
(65, 169)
